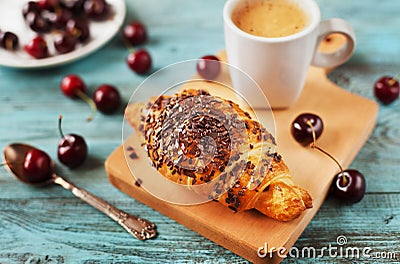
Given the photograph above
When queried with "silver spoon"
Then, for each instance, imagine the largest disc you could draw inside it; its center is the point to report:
(140, 228)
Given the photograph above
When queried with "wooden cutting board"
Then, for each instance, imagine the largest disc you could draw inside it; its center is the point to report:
(349, 120)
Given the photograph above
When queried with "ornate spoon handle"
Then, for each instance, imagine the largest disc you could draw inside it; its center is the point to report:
(140, 228)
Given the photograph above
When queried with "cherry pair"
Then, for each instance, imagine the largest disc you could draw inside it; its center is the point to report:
(135, 34)
(106, 98)
(72, 152)
(348, 185)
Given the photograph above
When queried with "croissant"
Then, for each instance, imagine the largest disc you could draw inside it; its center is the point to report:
(194, 138)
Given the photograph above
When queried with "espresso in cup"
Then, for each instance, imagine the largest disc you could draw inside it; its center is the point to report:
(275, 42)
(269, 18)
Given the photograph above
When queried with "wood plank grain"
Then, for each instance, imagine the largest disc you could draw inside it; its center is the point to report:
(107, 239)
(43, 221)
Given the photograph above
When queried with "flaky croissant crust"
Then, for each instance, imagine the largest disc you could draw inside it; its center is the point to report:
(262, 179)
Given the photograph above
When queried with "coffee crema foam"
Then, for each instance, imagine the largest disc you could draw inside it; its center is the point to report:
(269, 18)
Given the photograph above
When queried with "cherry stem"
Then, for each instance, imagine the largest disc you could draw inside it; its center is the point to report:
(313, 145)
(394, 79)
(59, 126)
(90, 102)
(128, 46)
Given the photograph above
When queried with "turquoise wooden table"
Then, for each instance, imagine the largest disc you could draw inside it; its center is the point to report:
(49, 225)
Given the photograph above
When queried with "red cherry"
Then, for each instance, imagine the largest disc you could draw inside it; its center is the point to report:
(209, 67)
(74, 87)
(37, 166)
(75, 6)
(37, 48)
(38, 23)
(64, 43)
(72, 149)
(135, 33)
(97, 9)
(349, 186)
(107, 98)
(49, 5)
(301, 130)
(29, 7)
(139, 61)
(78, 28)
(386, 89)
(71, 85)
(60, 18)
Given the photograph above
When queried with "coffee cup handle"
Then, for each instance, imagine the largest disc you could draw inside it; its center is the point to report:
(340, 56)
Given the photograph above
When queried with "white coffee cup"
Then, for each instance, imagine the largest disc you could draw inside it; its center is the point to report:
(279, 65)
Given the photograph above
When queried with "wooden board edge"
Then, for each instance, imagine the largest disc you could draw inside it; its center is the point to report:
(242, 249)
(371, 109)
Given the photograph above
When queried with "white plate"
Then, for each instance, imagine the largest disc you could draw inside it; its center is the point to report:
(11, 19)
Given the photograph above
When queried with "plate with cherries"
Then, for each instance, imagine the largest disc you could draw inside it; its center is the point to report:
(45, 33)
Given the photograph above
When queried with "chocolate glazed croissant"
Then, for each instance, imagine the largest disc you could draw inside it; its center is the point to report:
(194, 138)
